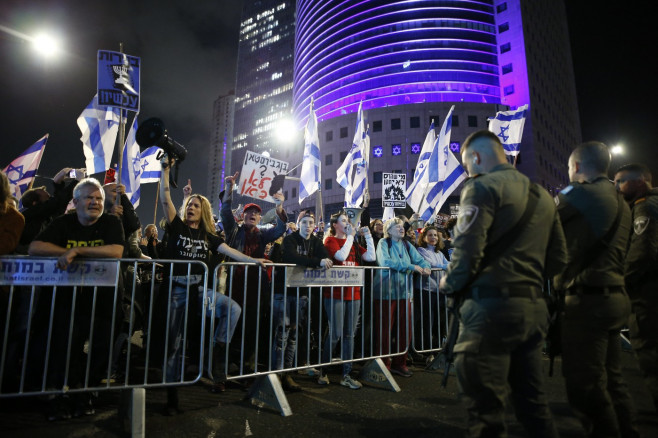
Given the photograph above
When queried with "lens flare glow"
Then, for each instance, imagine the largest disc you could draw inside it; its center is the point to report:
(46, 45)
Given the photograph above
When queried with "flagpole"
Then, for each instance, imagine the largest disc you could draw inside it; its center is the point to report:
(318, 205)
(155, 208)
(319, 213)
(122, 137)
(29, 187)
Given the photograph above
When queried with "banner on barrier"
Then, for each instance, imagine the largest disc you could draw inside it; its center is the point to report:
(337, 276)
(34, 271)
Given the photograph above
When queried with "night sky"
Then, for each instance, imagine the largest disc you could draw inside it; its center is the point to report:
(188, 51)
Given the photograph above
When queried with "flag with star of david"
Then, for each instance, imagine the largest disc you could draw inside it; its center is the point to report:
(508, 126)
(309, 181)
(22, 170)
(131, 169)
(352, 175)
(416, 191)
(150, 165)
(99, 126)
(445, 173)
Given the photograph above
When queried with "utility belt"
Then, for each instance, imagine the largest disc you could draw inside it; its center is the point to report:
(595, 290)
(509, 291)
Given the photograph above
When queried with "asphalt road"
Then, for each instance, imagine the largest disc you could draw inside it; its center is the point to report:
(421, 409)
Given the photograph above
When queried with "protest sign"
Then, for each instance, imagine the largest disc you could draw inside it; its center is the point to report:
(393, 187)
(262, 176)
(118, 80)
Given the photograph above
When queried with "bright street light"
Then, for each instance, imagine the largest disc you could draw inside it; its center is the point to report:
(46, 45)
(285, 131)
(617, 149)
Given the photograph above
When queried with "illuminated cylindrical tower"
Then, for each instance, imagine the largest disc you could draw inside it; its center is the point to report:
(389, 53)
(409, 61)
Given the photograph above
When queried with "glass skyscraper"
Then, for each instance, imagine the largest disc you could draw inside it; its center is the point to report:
(219, 156)
(263, 93)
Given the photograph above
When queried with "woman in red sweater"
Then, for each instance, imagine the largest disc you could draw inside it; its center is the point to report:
(342, 304)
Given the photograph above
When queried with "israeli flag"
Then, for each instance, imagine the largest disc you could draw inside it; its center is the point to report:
(310, 177)
(416, 191)
(131, 169)
(444, 173)
(99, 127)
(360, 182)
(150, 165)
(22, 170)
(389, 213)
(508, 126)
(355, 181)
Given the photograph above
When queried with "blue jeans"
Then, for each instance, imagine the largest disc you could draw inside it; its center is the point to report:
(287, 314)
(227, 314)
(343, 317)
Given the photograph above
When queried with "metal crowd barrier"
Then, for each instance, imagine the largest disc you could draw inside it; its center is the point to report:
(251, 352)
(430, 315)
(101, 324)
(131, 324)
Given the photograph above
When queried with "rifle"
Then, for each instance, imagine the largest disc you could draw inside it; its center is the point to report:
(447, 350)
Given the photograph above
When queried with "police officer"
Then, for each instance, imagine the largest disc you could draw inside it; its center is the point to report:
(596, 224)
(634, 182)
(503, 318)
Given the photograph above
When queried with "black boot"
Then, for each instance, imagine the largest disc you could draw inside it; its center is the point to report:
(218, 368)
(172, 402)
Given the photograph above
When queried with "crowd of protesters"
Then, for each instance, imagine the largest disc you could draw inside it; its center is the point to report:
(274, 330)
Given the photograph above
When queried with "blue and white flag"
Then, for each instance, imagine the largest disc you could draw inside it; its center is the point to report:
(22, 170)
(389, 213)
(508, 126)
(150, 165)
(416, 191)
(309, 181)
(360, 182)
(444, 173)
(131, 169)
(355, 181)
(99, 127)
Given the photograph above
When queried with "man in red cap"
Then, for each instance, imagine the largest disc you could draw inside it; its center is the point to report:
(249, 239)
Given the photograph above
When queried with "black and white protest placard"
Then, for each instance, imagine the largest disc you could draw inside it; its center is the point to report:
(393, 187)
(262, 176)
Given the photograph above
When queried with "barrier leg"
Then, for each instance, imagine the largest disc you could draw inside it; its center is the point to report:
(267, 390)
(138, 412)
(132, 411)
(376, 374)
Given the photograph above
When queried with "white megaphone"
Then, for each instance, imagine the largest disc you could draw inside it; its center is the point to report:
(354, 216)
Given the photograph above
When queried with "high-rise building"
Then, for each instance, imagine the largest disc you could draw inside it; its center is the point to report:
(219, 156)
(408, 62)
(263, 93)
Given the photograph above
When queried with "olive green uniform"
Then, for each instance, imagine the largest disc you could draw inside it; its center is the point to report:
(503, 319)
(642, 285)
(596, 308)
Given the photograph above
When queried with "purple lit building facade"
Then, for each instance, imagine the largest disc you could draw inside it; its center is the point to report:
(409, 61)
